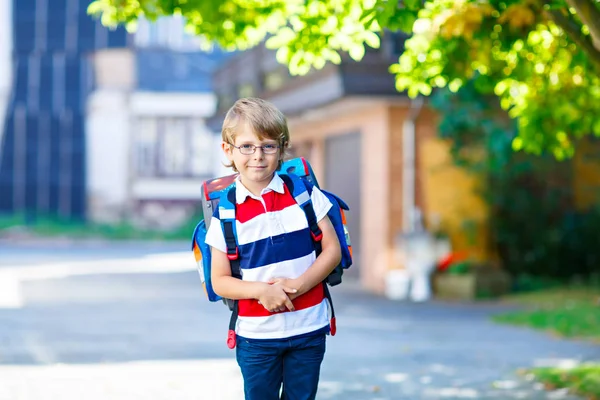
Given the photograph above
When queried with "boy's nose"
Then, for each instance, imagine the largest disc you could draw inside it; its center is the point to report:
(258, 152)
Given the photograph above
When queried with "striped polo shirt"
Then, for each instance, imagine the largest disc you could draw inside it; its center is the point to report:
(274, 241)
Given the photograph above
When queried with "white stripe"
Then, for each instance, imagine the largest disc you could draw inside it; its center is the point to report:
(320, 203)
(302, 197)
(225, 213)
(284, 324)
(290, 219)
(290, 269)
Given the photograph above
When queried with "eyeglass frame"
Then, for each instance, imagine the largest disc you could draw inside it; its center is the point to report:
(254, 147)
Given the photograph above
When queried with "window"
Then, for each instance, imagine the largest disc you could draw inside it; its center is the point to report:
(202, 150)
(172, 147)
(172, 154)
(145, 149)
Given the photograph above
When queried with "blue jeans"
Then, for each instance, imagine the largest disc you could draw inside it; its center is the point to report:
(267, 363)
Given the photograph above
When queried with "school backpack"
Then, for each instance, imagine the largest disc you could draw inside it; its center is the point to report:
(219, 194)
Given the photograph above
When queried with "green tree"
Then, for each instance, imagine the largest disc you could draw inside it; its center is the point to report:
(541, 58)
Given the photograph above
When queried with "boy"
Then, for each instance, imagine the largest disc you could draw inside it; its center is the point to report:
(283, 312)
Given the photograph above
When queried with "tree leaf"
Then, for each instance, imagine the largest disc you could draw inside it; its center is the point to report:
(357, 52)
(403, 20)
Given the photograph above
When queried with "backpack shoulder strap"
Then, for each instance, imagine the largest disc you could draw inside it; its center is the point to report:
(301, 190)
(227, 204)
(227, 218)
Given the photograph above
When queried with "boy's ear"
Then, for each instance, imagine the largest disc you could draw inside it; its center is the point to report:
(227, 149)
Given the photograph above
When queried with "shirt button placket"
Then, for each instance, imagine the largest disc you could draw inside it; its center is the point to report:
(271, 216)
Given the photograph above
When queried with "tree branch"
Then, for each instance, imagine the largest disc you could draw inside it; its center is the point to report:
(573, 30)
(590, 16)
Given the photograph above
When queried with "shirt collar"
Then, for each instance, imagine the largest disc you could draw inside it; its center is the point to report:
(241, 192)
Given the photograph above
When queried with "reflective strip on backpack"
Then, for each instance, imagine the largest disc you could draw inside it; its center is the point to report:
(302, 197)
(225, 213)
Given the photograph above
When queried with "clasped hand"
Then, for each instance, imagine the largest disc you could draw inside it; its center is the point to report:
(277, 296)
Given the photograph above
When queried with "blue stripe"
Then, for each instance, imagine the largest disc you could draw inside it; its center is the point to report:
(271, 250)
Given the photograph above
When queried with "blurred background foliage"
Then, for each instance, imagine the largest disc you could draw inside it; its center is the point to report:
(540, 58)
(536, 227)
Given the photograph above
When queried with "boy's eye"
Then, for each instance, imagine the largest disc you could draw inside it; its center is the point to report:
(247, 146)
(269, 147)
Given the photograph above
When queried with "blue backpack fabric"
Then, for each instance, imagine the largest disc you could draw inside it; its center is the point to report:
(300, 180)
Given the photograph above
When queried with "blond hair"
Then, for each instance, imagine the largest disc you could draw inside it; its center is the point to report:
(265, 120)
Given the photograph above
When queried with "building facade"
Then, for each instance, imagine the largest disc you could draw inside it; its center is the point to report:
(42, 153)
(152, 100)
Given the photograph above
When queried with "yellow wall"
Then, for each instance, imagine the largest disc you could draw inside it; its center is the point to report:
(449, 195)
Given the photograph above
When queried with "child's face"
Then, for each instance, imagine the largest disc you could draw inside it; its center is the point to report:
(258, 167)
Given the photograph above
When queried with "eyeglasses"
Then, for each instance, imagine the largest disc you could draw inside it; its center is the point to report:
(249, 149)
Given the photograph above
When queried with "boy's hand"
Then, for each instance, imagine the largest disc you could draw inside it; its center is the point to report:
(275, 298)
(285, 282)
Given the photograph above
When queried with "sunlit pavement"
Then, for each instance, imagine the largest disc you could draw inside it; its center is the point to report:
(162, 380)
(128, 324)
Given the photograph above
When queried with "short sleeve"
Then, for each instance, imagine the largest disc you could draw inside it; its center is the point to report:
(321, 203)
(214, 235)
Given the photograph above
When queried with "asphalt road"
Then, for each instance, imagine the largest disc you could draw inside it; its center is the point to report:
(113, 331)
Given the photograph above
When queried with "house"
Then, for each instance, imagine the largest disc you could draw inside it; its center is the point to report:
(147, 115)
(368, 143)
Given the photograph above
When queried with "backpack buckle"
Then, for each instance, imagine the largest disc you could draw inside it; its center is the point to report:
(316, 238)
(231, 339)
(233, 256)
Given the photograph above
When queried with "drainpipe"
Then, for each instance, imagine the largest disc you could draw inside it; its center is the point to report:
(409, 219)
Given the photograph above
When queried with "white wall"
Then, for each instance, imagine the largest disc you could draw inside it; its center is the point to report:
(5, 59)
(167, 189)
(107, 155)
(173, 104)
(108, 135)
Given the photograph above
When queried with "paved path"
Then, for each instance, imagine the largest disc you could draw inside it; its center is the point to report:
(152, 336)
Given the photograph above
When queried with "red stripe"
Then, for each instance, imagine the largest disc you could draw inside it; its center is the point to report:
(248, 209)
(306, 173)
(274, 201)
(251, 308)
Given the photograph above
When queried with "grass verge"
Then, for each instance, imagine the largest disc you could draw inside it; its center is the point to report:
(56, 227)
(566, 312)
(583, 380)
(571, 312)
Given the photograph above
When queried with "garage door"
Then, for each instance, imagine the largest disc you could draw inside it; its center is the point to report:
(342, 161)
